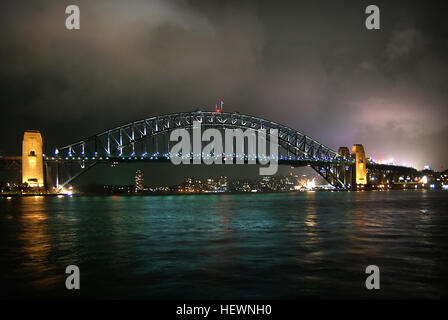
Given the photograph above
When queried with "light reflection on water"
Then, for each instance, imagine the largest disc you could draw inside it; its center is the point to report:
(302, 245)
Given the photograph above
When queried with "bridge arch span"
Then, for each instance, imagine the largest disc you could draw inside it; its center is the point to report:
(148, 140)
(150, 137)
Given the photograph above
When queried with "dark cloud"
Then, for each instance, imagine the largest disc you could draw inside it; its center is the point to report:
(309, 64)
(402, 43)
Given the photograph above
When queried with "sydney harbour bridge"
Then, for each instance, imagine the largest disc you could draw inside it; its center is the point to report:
(148, 140)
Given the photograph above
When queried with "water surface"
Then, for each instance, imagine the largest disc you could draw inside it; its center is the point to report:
(255, 246)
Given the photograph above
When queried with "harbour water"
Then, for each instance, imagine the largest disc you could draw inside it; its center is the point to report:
(250, 246)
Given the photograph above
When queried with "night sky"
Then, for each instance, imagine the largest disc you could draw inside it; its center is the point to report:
(311, 65)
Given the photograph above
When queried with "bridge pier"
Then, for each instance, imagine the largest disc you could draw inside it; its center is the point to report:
(32, 159)
(356, 173)
(360, 166)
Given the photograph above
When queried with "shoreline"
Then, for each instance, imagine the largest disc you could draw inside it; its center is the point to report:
(195, 194)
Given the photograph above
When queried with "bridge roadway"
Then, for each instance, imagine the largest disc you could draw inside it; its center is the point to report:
(293, 161)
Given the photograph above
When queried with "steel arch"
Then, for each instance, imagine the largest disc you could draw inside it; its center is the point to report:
(121, 141)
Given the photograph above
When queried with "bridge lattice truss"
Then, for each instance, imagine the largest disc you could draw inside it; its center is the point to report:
(131, 140)
(148, 139)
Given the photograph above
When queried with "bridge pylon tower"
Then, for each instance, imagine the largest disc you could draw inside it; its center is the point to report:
(32, 160)
(359, 155)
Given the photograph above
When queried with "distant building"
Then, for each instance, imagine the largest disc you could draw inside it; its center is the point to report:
(138, 181)
(210, 184)
(222, 183)
(246, 187)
